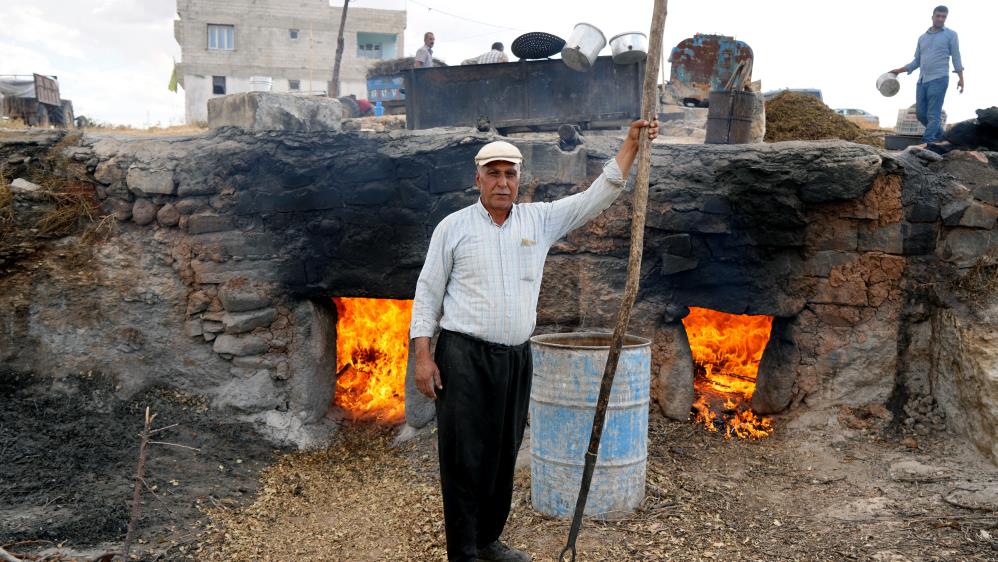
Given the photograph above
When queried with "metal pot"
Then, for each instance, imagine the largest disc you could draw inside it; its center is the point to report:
(629, 47)
(583, 46)
(888, 84)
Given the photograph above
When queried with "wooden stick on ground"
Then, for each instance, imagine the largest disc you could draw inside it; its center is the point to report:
(649, 111)
(137, 493)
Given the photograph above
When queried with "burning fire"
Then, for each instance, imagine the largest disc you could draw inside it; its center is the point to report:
(372, 348)
(727, 349)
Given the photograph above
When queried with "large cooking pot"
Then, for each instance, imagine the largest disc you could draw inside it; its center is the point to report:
(585, 43)
(629, 47)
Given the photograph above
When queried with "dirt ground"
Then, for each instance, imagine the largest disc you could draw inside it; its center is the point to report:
(850, 490)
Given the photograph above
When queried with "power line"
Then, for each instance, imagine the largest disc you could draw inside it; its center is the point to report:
(432, 9)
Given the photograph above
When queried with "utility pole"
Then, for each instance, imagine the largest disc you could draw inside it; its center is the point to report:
(334, 86)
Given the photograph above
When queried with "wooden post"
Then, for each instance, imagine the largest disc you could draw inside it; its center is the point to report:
(334, 86)
(649, 111)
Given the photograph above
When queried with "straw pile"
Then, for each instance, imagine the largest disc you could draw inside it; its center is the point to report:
(794, 116)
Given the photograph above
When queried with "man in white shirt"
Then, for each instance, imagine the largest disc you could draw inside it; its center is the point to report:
(424, 55)
(479, 286)
(493, 56)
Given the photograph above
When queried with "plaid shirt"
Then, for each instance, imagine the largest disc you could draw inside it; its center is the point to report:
(490, 57)
(483, 279)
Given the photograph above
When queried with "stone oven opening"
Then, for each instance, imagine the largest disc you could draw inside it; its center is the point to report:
(372, 349)
(727, 350)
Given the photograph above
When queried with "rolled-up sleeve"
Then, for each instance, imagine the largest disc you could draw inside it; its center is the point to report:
(572, 212)
(427, 307)
(954, 51)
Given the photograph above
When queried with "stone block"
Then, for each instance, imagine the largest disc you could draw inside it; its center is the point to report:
(266, 111)
(21, 186)
(672, 387)
(143, 212)
(964, 246)
(675, 264)
(108, 172)
(677, 245)
(372, 193)
(145, 182)
(192, 328)
(200, 224)
(887, 239)
(197, 301)
(923, 211)
(121, 209)
(978, 215)
(254, 394)
(239, 345)
(168, 215)
(262, 270)
(849, 292)
(241, 322)
(240, 295)
(212, 326)
(919, 239)
(191, 205)
(952, 212)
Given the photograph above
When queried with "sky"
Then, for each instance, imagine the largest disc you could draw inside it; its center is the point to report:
(114, 57)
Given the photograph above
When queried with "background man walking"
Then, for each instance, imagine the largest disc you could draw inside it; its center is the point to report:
(932, 54)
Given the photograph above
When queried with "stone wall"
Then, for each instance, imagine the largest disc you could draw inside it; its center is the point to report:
(229, 245)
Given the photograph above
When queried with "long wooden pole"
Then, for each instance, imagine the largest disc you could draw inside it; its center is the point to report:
(334, 86)
(649, 110)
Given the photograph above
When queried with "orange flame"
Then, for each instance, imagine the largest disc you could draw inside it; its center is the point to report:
(727, 348)
(372, 349)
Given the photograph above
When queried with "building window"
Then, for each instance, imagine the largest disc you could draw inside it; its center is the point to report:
(294, 85)
(376, 45)
(221, 37)
(293, 33)
(218, 85)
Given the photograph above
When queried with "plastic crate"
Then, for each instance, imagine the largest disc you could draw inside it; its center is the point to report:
(907, 122)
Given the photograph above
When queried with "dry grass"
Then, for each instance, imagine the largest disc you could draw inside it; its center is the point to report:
(981, 280)
(174, 131)
(12, 124)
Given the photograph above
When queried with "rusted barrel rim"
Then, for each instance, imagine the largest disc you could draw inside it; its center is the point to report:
(588, 340)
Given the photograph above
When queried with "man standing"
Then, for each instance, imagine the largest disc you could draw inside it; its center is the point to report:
(932, 54)
(493, 56)
(480, 285)
(424, 55)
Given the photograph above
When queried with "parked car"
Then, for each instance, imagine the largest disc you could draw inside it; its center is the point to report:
(860, 117)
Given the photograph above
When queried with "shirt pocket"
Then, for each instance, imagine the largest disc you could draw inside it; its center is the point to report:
(527, 254)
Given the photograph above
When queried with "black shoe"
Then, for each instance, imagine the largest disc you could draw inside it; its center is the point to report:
(497, 551)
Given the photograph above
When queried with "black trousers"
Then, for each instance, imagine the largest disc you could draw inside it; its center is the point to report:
(481, 415)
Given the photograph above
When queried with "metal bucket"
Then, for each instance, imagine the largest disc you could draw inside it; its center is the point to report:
(888, 84)
(583, 46)
(629, 48)
(568, 369)
(735, 117)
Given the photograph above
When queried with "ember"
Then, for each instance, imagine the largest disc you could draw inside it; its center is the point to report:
(372, 347)
(727, 349)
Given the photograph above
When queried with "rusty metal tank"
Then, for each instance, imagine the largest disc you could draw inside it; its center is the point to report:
(703, 63)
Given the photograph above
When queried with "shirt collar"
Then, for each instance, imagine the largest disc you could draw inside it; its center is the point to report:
(485, 212)
(941, 29)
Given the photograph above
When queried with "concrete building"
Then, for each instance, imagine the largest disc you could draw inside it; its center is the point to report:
(293, 42)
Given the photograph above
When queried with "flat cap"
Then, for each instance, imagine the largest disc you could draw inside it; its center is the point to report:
(498, 150)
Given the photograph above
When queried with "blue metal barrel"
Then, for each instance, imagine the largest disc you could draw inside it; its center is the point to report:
(568, 369)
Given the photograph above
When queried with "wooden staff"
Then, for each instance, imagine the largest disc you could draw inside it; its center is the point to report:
(649, 110)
